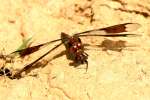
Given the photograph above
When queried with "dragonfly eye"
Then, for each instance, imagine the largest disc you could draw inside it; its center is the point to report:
(75, 47)
(79, 45)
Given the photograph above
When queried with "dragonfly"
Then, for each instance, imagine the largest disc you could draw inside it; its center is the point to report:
(74, 48)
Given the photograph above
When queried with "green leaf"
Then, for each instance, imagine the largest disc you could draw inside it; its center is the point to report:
(25, 44)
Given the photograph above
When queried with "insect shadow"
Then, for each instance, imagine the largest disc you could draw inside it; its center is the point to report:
(112, 45)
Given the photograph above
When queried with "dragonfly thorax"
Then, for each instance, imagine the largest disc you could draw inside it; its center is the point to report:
(74, 48)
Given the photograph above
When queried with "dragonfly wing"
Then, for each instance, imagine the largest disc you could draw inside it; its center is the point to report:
(126, 27)
(120, 28)
(29, 50)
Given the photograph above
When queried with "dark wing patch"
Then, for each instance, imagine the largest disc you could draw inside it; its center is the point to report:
(116, 28)
(127, 27)
(28, 50)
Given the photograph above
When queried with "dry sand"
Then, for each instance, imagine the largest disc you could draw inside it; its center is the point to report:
(112, 75)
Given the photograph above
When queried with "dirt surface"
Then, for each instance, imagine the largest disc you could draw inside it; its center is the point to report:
(112, 74)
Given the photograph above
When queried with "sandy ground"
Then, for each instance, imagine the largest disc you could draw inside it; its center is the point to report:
(111, 75)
